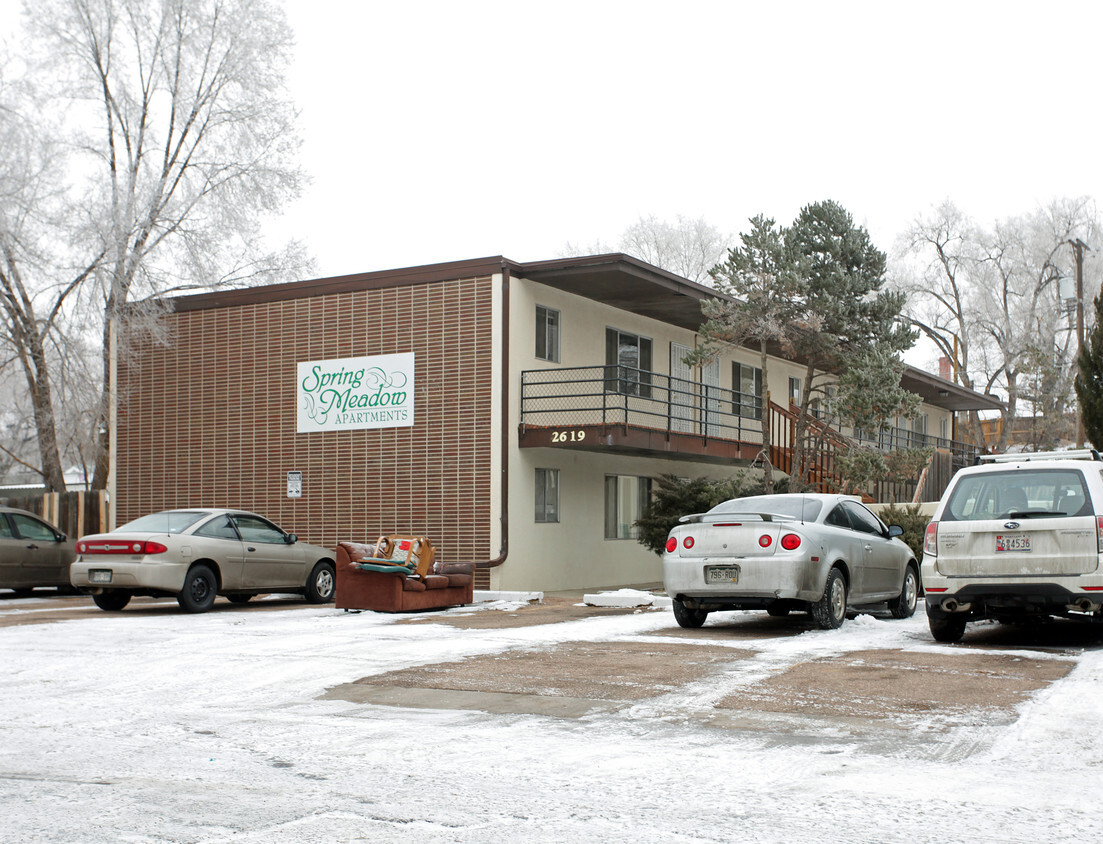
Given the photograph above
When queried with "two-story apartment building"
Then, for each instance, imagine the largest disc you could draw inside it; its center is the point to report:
(515, 413)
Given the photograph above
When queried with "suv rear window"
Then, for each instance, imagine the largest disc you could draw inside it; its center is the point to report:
(1023, 493)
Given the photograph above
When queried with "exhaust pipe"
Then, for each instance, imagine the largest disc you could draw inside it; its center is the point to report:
(1083, 605)
(952, 605)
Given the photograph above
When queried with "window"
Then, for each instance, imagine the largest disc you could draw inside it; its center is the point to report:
(626, 496)
(33, 529)
(219, 527)
(547, 495)
(747, 383)
(863, 520)
(255, 529)
(627, 363)
(794, 391)
(547, 334)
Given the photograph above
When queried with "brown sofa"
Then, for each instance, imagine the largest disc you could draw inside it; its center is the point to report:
(401, 590)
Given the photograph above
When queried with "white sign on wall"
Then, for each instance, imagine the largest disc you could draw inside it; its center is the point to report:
(344, 393)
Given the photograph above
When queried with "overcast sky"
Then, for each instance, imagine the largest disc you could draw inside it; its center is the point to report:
(439, 131)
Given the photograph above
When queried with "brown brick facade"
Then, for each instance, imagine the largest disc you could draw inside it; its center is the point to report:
(210, 418)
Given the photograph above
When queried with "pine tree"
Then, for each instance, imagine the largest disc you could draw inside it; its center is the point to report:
(1089, 380)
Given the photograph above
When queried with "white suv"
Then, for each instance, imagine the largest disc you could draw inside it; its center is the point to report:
(1018, 537)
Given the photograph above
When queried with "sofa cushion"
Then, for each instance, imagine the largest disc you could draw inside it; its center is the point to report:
(385, 568)
(411, 584)
(460, 580)
(358, 550)
(435, 581)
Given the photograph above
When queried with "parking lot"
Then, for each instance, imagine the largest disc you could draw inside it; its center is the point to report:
(544, 722)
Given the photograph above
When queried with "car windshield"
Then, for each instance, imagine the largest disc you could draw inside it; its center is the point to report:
(1023, 493)
(171, 521)
(793, 506)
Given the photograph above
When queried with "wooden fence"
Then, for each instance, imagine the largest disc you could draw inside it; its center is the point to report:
(76, 513)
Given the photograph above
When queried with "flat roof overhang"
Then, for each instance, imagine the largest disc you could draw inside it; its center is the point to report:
(615, 279)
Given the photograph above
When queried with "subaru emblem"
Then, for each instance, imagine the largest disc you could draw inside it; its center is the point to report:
(1010, 525)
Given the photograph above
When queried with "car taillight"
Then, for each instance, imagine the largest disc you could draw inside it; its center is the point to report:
(1099, 534)
(103, 546)
(790, 542)
(765, 540)
(930, 538)
(687, 542)
(671, 544)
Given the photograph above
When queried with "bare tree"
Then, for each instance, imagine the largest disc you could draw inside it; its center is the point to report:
(992, 303)
(179, 137)
(687, 247)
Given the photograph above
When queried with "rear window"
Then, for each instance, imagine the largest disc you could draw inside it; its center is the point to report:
(172, 521)
(792, 506)
(1022, 493)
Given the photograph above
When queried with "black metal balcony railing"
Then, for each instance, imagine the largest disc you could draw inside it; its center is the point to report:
(623, 395)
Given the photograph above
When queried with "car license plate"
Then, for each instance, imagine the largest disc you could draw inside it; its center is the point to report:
(100, 575)
(721, 574)
(1012, 542)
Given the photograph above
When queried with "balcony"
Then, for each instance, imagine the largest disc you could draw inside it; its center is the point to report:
(624, 410)
(627, 410)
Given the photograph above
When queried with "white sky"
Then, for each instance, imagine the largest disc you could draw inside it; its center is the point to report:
(440, 131)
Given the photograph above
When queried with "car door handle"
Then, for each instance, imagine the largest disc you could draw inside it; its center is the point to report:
(869, 547)
(250, 548)
(32, 547)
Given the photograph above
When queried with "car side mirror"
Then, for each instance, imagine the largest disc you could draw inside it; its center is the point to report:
(895, 530)
(61, 537)
(291, 539)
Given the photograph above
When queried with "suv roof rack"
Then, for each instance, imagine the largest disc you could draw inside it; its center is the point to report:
(1026, 456)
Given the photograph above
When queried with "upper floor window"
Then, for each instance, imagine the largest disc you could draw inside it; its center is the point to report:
(747, 384)
(794, 391)
(547, 334)
(627, 363)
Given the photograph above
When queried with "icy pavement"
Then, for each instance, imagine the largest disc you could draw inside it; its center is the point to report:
(212, 728)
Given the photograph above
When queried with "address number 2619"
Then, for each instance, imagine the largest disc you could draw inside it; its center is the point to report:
(568, 436)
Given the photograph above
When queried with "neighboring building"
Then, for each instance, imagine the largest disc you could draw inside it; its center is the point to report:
(515, 413)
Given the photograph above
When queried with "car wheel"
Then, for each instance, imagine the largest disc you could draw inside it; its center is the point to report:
(777, 609)
(947, 628)
(830, 610)
(687, 617)
(200, 589)
(322, 584)
(112, 600)
(239, 599)
(904, 605)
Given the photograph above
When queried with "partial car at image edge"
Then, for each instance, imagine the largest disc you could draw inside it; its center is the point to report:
(1017, 538)
(196, 554)
(32, 552)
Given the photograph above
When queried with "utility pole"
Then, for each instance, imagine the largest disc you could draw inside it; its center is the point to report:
(1078, 247)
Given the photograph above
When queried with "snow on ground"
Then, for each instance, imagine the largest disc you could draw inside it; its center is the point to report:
(179, 728)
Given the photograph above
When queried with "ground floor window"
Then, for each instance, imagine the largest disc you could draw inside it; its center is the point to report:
(626, 496)
(547, 495)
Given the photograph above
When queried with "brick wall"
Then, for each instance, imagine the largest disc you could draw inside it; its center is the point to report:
(210, 420)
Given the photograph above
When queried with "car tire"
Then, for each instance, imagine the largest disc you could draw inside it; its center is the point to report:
(322, 585)
(903, 606)
(830, 610)
(112, 600)
(687, 617)
(947, 628)
(200, 589)
(777, 609)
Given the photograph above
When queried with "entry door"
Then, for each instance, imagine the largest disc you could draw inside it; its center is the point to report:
(710, 398)
(681, 389)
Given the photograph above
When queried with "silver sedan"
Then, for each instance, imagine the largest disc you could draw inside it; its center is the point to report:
(813, 552)
(196, 554)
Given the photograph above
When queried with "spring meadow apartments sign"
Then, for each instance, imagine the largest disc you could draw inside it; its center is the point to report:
(346, 393)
